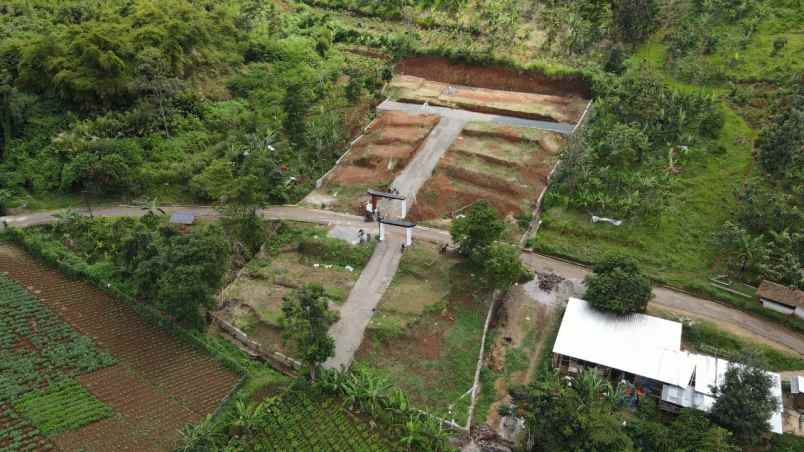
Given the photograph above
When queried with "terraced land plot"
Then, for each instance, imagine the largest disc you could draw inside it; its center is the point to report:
(506, 166)
(139, 383)
(297, 255)
(426, 332)
(546, 107)
(374, 161)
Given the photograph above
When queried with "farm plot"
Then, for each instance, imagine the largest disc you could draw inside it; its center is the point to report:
(389, 144)
(295, 256)
(157, 386)
(506, 166)
(426, 332)
(317, 423)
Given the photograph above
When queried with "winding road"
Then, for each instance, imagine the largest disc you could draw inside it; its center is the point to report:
(728, 318)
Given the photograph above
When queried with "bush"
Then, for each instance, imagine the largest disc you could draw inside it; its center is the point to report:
(618, 286)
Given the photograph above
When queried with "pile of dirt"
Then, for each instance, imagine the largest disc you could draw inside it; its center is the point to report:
(492, 77)
(548, 281)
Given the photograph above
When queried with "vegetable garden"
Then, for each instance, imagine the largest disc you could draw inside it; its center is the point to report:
(132, 386)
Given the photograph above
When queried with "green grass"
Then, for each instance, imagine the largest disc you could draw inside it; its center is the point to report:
(706, 338)
(60, 408)
(679, 250)
(433, 355)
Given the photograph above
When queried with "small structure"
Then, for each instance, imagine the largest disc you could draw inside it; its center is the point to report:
(779, 298)
(644, 351)
(182, 218)
(377, 195)
(407, 225)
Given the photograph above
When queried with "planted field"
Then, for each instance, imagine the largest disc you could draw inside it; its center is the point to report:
(546, 107)
(388, 145)
(295, 256)
(321, 424)
(76, 393)
(426, 332)
(506, 166)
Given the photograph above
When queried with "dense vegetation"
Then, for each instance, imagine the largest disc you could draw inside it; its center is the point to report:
(184, 99)
(144, 258)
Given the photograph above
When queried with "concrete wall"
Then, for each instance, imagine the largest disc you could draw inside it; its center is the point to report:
(778, 307)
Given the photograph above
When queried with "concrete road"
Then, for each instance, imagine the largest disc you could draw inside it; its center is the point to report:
(416, 173)
(469, 116)
(727, 318)
(367, 292)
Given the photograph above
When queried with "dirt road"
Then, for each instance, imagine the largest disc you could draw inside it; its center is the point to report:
(730, 319)
(468, 116)
(725, 317)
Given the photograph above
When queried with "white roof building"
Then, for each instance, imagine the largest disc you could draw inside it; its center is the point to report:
(651, 348)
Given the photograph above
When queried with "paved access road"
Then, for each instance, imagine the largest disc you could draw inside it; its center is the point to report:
(470, 116)
(733, 320)
(358, 309)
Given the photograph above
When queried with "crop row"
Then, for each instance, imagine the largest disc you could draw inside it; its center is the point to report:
(36, 346)
(16, 434)
(306, 424)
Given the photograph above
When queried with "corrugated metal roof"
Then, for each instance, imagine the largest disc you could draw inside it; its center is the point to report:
(639, 344)
(649, 347)
(182, 218)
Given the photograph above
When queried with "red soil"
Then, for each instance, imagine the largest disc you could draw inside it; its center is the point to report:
(387, 147)
(492, 77)
(160, 383)
(453, 186)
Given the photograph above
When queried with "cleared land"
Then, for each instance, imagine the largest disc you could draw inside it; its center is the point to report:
(374, 161)
(157, 385)
(506, 166)
(296, 255)
(425, 334)
(408, 88)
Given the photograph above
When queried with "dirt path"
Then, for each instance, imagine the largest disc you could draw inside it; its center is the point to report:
(467, 116)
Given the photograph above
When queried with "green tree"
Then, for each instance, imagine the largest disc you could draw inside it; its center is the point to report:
(501, 265)
(744, 402)
(634, 19)
(781, 146)
(617, 285)
(560, 417)
(306, 320)
(480, 227)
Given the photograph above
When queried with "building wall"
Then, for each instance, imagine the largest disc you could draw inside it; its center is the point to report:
(778, 307)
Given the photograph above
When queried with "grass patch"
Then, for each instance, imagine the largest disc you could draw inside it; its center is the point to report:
(433, 356)
(706, 338)
(62, 407)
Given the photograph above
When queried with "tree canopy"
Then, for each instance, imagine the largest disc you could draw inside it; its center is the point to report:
(617, 285)
(305, 320)
(744, 402)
